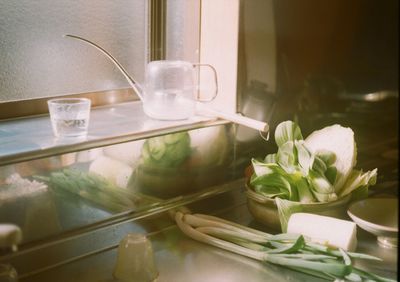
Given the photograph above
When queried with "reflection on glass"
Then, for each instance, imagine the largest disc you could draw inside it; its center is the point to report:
(182, 163)
(47, 196)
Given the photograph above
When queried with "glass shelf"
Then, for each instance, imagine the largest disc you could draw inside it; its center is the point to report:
(25, 139)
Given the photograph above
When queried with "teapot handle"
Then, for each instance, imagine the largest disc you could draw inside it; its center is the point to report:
(215, 80)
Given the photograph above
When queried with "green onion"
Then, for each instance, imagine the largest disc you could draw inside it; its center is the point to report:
(94, 188)
(288, 250)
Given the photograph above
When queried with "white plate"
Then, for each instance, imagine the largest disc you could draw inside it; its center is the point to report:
(378, 216)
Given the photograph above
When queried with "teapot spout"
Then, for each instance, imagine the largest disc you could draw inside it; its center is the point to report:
(135, 86)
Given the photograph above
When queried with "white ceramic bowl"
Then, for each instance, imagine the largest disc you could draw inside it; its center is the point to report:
(378, 216)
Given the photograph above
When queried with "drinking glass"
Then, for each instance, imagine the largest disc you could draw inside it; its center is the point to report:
(69, 116)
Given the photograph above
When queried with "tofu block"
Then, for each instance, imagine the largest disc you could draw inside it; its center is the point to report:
(324, 230)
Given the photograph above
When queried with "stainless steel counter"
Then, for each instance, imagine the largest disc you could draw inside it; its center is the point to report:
(90, 254)
(179, 258)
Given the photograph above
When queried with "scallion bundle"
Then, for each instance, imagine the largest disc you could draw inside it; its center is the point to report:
(288, 250)
(94, 188)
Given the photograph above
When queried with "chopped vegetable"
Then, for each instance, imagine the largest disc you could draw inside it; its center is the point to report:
(289, 250)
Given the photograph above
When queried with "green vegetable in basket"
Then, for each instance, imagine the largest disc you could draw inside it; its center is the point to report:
(317, 169)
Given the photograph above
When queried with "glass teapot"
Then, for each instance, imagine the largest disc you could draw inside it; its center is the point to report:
(170, 89)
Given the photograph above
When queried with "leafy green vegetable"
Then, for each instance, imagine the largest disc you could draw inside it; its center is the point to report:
(285, 210)
(92, 187)
(305, 160)
(277, 184)
(262, 168)
(287, 157)
(287, 131)
(305, 194)
(358, 179)
(167, 151)
(295, 173)
(327, 157)
(270, 158)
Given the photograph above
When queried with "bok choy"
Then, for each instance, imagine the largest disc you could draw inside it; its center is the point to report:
(317, 169)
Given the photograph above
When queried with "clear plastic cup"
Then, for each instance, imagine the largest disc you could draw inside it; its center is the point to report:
(135, 259)
(69, 116)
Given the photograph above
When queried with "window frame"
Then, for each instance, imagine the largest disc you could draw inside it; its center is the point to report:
(216, 37)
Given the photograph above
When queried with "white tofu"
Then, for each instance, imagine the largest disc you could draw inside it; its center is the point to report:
(324, 230)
